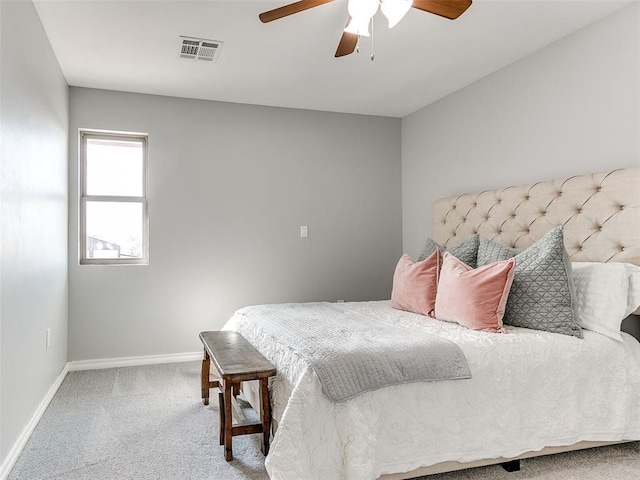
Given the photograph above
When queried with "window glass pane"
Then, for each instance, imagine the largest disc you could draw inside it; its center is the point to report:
(114, 229)
(114, 167)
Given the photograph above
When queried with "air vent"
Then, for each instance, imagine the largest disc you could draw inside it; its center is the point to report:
(199, 49)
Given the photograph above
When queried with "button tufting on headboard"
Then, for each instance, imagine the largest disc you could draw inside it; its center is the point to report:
(600, 214)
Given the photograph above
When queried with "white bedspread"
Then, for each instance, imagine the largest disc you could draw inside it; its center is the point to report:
(530, 389)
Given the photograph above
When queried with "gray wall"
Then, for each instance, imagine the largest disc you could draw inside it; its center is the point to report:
(229, 187)
(570, 108)
(33, 206)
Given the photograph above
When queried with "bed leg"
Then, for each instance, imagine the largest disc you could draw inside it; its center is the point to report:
(512, 466)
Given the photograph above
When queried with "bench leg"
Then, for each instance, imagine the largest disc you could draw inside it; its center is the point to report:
(265, 414)
(222, 419)
(204, 378)
(228, 422)
(236, 389)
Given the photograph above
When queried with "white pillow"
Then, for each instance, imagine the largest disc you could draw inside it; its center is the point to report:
(633, 296)
(606, 293)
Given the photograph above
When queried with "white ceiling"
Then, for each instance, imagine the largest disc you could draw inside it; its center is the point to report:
(133, 46)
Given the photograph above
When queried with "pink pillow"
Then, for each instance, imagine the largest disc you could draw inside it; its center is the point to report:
(415, 284)
(474, 298)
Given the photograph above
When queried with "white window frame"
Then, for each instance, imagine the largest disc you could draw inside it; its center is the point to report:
(84, 135)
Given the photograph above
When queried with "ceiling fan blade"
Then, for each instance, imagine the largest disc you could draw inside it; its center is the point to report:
(450, 9)
(290, 9)
(347, 44)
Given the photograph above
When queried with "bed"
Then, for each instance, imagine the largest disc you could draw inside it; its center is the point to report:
(531, 392)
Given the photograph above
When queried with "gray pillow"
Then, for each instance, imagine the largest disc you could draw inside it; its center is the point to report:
(466, 251)
(542, 295)
(488, 251)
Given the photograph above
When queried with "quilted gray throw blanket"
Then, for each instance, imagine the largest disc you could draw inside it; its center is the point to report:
(352, 353)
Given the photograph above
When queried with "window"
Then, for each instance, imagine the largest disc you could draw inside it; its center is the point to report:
(113, 198)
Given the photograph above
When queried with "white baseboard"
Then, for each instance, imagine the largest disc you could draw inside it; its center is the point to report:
(133, 361)
(15, 452)
(17, 448)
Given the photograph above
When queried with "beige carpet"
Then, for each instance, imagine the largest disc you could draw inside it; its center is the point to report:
(148, 423)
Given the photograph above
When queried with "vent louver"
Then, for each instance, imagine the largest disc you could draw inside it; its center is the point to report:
(200, 49)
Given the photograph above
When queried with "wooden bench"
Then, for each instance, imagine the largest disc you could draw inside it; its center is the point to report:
(235, 360)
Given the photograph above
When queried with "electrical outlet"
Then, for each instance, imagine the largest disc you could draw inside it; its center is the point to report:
(48, 342)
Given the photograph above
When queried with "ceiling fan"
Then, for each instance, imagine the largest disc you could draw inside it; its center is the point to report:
(361, 11)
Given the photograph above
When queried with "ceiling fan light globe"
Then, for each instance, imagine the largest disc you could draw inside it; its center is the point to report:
(395, 10)
(363, 8)
(358, 26)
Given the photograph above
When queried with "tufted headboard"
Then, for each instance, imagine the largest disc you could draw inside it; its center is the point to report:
(599, 212)
(600, 215)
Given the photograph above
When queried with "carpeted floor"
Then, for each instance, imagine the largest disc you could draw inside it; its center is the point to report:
(148, 423)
